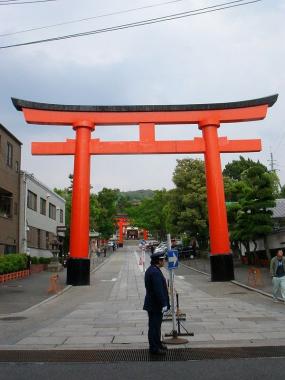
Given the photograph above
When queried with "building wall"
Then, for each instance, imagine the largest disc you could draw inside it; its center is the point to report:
(276, 240)
(9, 191)
(41, 230)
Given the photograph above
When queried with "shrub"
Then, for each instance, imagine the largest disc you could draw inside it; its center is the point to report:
(1, 265)
(12, 263)
(44, 260)
(34, 260)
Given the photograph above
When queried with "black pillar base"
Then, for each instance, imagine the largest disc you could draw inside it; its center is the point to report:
(222, 267)
(78, 272)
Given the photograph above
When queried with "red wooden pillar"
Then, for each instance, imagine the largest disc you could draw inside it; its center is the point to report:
(78, 269)
(220, 256)
(121, 233)
(145, 234)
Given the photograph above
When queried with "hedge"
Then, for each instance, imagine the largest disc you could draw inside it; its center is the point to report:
(18, 261)
(13, 263)
(40, 260)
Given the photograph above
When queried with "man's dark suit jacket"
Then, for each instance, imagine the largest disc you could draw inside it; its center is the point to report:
(156, 290)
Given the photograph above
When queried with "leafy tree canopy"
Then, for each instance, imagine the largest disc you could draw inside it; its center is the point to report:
(235, 168)
(188, 210)
(151, 213)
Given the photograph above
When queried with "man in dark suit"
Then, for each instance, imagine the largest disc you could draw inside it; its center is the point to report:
(156, 302)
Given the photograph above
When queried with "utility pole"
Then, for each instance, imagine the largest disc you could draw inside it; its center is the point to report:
(271, 163)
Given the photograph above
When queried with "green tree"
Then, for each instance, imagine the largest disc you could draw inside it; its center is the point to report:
(188, 208)
(123, 203)
(104, 216)
(66, 194)
(251, 217)
(234, 169)
(151, 214)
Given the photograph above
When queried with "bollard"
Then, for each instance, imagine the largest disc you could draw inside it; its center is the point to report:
(254, 277)
(54, 286)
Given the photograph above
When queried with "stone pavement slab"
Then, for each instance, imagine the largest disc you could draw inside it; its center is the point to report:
(108, 313)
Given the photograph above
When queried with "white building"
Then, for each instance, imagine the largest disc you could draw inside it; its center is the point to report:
(276, 239)
(42, 211)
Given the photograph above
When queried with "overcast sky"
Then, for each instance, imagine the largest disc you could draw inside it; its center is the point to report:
(231, 55)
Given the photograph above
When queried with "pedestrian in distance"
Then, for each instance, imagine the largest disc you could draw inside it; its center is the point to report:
(277, 271)
(156, 303)
(105, 250)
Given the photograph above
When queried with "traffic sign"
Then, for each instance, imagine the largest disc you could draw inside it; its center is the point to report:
(172, 259)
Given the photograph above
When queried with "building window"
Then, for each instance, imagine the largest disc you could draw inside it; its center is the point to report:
(9, 249)
(43, 206)
(32, 200)
(52, 211)
(47, 240)
(61, 216)
(15, 208)
(17, 166)
(6, 200)
(9, 160)
(38, 238)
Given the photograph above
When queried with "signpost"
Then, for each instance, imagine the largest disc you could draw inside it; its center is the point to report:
(173, 264)
(172, 259)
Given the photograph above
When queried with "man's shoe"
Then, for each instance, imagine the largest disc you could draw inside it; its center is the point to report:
(275, 300)
(158, 352)
(163, 346)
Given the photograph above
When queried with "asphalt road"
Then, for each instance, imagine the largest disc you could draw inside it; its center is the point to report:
(233, 369)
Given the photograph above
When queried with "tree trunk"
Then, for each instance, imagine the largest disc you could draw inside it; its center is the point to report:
(247, 250)
(255, 257)
(266, 246)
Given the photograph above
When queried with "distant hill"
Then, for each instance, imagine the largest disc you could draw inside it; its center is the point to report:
(138, 195)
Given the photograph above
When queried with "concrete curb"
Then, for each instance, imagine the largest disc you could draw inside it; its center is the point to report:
(236, 283)
(65, 289)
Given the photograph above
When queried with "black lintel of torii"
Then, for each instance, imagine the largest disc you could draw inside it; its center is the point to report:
(268, 100)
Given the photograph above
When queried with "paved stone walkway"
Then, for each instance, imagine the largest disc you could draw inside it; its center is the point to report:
(262, 280)
(108, 313)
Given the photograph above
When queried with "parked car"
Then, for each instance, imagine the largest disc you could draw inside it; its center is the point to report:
(185, 252)
(112, 244)
(151, 243)
(160, 247)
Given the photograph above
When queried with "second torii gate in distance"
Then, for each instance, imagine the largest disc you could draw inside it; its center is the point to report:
(122, 221)
(84, 119)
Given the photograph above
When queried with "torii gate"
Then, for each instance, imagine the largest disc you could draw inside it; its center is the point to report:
(122, 221)
(84, 119)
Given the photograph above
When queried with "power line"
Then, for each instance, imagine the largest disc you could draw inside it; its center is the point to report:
(107, 15)
(156, 20)
(11, 2)
(94, 17)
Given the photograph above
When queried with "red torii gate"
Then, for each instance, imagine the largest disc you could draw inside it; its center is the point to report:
(83, 119)
(122, 221)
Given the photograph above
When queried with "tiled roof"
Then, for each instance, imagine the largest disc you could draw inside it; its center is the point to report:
(279, 209)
